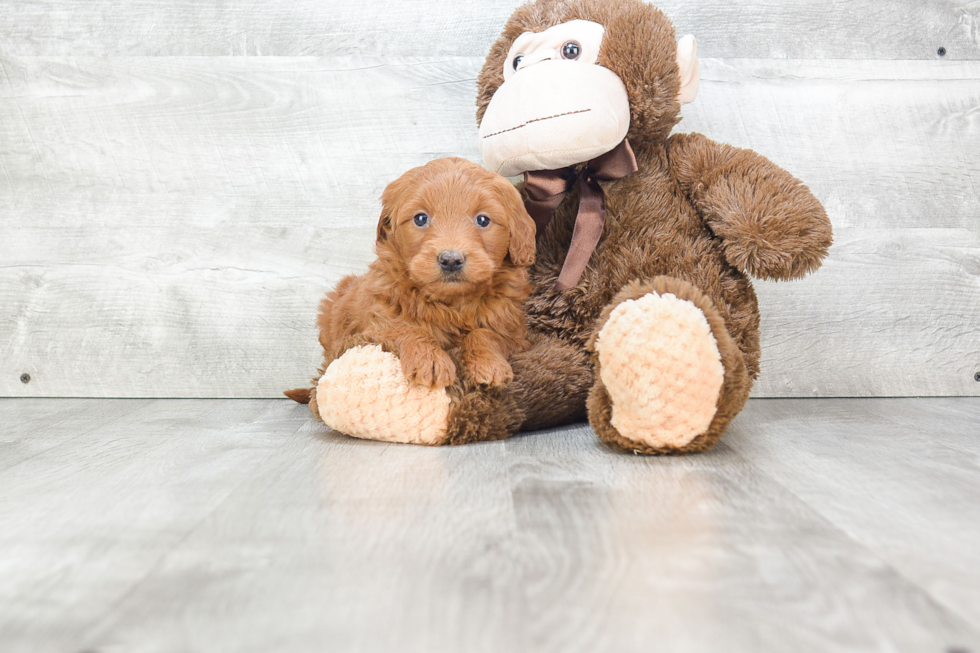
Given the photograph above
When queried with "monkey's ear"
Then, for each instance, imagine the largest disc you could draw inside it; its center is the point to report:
(522, 229)
(687, 63)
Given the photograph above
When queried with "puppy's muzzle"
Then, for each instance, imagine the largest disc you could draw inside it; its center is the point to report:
(451, 261)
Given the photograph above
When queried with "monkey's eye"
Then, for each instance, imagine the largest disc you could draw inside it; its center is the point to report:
(482, 221)
(517, 60)
(571, 50)
(421, 219)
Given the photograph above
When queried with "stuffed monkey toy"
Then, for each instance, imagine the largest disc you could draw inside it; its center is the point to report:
(642, 317)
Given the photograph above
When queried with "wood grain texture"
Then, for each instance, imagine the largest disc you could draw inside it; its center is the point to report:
(893, 312)
(641, 545)
(106, 504)
(816, 525)
(906, 485)
(837, 29)
(368, 547)
(33, 427)
(169, 223)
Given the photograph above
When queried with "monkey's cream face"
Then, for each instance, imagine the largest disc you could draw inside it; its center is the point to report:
(557, 106)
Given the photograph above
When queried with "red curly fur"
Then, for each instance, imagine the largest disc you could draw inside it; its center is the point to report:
(410, 306)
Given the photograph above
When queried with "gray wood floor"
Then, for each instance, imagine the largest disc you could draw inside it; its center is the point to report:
(238, 525)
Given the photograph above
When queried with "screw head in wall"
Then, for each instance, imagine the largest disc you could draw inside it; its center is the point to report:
(976, 377)
(941, 51)
(25, 378)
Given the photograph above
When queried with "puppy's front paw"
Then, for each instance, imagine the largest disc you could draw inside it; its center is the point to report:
(428, 366)
(490, 370)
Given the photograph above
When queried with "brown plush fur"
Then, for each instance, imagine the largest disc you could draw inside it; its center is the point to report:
(413, 307)
(695, 219)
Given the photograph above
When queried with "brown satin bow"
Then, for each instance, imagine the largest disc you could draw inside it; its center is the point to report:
(547, 188)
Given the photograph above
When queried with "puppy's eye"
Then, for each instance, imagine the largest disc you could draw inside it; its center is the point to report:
(517, 60)
(571, 50)
(482, 221)
(421, 219)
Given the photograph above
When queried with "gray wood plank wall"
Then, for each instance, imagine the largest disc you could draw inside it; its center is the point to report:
(172, 205)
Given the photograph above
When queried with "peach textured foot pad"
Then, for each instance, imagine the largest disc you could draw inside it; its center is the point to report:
(660, 365)
(364, 394)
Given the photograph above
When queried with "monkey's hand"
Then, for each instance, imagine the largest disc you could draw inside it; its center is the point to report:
(769, 222)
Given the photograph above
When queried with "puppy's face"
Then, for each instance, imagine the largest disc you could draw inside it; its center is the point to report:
(453, 224)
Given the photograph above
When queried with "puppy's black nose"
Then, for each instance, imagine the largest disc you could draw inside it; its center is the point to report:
(451, 260)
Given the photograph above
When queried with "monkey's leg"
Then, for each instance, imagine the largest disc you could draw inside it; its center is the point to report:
(551, 384)
(364, 394)
(669, 377)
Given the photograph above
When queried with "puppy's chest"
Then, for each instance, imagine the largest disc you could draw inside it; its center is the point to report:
(450, 324)
(452, 333)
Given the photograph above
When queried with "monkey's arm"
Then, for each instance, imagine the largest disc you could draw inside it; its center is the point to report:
(771, 225)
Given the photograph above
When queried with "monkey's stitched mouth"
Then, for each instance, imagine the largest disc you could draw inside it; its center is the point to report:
(522, 125)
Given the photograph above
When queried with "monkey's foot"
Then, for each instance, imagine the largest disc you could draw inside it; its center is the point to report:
(365, 395)
(660, 373)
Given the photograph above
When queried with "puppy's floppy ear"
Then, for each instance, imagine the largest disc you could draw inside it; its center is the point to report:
(522, 229)
(384, 227)
(391, 199)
